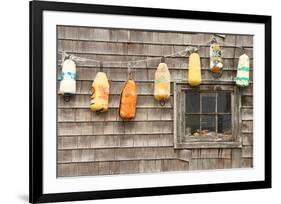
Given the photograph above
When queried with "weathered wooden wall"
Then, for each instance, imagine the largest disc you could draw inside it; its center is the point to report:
(95, 144)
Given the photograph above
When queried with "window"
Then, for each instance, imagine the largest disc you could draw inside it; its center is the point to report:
(206, 116)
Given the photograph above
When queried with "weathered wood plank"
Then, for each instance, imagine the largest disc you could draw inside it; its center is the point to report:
(165, 165)
(126, 141)
(87, 169)
(121, 167)
(247, 138)
(84, 102)
(247, 151)
(60, 32)
(227, 164)
(67, 142)
(193, 164)
(116, 154)
(64, 157)
(180, 165)
(104, 168)
(212, 164)
(129, 167)
(114, 167)
(67, 170)
(246, 40)
(138, 49)
(66, 115)
(225, 153)
(69, 129)
(184, 155)
(144, 36)
(71, 32)
(247, 126)
(211, 153)
(80, 115)
(139, 36)
(112, 115)
(103, 154)
(247, 114)
(82, 142)
(247, 101)
(247, 163)
(208, 145)
(142, 115)
(236, 158)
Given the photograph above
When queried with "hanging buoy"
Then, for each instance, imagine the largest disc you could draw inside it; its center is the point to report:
(100, 93)
(128, 100)
(242, 78)
(216, 64)
(68, 79)
(194, 70)
(162, 81)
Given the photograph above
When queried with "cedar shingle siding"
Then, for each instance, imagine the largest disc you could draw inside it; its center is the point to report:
(96, 144)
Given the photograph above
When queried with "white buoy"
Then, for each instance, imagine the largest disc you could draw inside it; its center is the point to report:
(243, 69)
(68, 78)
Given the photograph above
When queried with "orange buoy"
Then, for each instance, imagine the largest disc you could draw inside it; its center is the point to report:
(128, 100)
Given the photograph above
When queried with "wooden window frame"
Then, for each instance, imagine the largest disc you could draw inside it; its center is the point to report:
(180, 89)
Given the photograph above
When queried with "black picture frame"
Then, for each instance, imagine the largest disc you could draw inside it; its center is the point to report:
(36, 102)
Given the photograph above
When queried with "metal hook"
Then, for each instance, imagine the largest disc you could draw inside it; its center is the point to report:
(67, 57)
(193, 50)
(99, 111)
(130, 70)
(63, 56)
(243, 50)
(162, 103)
(197, 48)
(135, 70)
(66, 98)
(101, 66)
(214, 40)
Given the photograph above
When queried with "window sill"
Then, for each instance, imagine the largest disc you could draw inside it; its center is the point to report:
(207, 145)
(208, 138)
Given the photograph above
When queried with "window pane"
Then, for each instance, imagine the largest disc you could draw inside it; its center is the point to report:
(224, 124)
(208, 103)
(192, 124)
(192, 102)
(208, 122)
(224, 102)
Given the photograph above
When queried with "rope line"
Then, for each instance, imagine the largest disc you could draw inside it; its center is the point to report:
(147, 59)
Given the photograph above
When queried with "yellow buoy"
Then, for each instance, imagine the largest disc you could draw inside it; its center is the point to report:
(194, 71)
(162, 83)
(100, 93)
